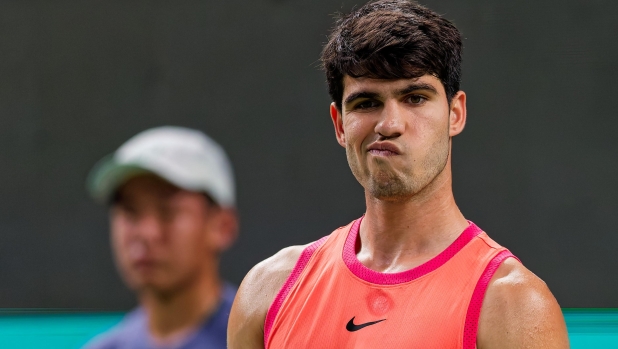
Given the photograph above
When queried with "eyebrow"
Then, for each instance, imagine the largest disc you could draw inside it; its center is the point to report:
(361, 94)
(408, 89)
(415, 87)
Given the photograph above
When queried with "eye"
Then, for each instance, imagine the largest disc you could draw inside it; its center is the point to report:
(167, 213)
(127, 210)
(128, 213)
(416, 99)
(366, 104)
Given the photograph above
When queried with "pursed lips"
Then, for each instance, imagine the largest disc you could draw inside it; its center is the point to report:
(383, 149)
(144, 263)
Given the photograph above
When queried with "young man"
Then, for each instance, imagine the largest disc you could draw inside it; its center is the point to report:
(171, 197)
(412, 272)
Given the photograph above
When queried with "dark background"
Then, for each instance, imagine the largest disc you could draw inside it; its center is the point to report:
(536, 166)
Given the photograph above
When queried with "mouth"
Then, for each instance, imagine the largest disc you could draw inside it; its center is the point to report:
(144, 264)
(383, 149)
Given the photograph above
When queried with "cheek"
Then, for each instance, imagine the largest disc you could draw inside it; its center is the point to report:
(187, 235)
(119, 241)
(429, 129)
(187, 226)
(118, 236)
(356, 130)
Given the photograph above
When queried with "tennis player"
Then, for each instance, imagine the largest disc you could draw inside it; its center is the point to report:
(171, 196)
(412, 272)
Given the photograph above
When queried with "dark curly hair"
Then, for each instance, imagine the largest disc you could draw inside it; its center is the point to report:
(392, 39)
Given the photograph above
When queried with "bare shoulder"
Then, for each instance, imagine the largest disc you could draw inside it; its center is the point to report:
(519, 311)
(255, 295)
(264, 280)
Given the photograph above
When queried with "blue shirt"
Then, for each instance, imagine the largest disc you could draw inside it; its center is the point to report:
(132, 331)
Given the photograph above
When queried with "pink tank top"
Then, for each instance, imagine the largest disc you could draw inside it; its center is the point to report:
(331, 300)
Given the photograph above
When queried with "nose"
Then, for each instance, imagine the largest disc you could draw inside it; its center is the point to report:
(392, 122)
(148, 228)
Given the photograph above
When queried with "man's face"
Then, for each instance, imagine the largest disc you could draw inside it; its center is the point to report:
(160, 234)
(397, 132)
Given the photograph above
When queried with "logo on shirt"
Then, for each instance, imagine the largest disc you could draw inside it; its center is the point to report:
(351, 327)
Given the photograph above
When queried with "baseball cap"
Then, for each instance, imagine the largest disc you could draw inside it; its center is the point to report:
(184, 157)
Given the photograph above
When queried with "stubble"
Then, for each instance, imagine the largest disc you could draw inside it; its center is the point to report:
(388, 184)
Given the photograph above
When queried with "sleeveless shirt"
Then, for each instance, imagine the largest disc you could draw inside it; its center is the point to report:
(331, 300)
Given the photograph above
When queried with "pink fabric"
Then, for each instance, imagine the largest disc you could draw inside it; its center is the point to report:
(474, 309)
(361, 271)
(304, 258)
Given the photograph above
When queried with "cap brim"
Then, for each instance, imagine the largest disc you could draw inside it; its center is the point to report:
(108, 175)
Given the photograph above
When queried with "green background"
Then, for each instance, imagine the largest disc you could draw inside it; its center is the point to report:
(588, 328)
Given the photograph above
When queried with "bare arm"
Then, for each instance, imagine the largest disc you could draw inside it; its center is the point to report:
(519, 311)
(255, 295)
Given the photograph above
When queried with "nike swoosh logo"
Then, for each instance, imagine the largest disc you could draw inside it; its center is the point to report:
(352, 327)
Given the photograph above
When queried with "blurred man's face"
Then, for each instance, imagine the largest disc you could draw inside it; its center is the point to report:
(160, 234)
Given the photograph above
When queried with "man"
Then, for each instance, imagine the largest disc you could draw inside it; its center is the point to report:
(171, 197)
(412, 272)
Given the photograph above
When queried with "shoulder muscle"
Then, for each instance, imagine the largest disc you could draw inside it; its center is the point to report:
(519, 311)
(255, 295)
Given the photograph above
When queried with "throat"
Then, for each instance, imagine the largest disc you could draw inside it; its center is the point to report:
(388, 258)
(397, 249)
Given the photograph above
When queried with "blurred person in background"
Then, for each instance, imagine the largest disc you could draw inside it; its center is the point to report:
(171, 198)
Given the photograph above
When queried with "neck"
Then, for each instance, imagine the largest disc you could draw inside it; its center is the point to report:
(171, 315)
(400, 235)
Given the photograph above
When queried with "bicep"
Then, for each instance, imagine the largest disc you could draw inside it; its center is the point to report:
(519, 311)
(242, 333)
(245, 328)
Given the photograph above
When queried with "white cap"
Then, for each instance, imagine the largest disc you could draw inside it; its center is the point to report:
(184, 157)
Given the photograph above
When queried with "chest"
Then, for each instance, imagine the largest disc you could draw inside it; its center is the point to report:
(334, 310)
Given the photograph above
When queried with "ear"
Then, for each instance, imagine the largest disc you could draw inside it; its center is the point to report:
(337, 118)
(225, 230)
(457, 116)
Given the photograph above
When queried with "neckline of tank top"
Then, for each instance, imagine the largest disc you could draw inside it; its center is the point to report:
(375, 277)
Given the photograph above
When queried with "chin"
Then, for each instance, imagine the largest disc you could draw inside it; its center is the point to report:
(390, 196)
(139, 284)
(392, 187)
(159, 288)
(147, 281)
(389, 191)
